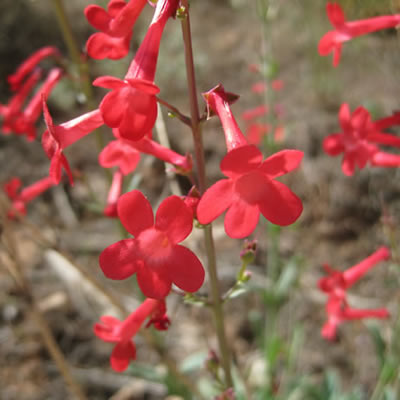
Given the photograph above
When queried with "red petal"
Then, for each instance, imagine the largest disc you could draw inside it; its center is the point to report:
(109, 82)
(118, 260)
(215, 201)
(333, 144)
(97, 17)
(175, 219)
(112, 107)
(241, 160)
(335, 14)
(185, 269)
(281, 163)
(241, 219)
(100, 46)
(281, 206)
(122, 354)
(348, 164)
(155, 285)
(135, 212)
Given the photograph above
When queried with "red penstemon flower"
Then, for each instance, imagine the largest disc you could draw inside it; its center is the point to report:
(131, 106)
(20, 198)
(344, 31)
(13, 110)
(115, 26)
(111, 329)
(251, 187)
(335, 286)
(154, 254)
(358, 137)
(58, 137)
(25, 123)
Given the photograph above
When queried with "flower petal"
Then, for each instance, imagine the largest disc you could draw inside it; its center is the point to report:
(281, 163)
(100, 46)
(215, 201)
(241, 160)
(281, 206)
(241, 219)
(153, 284)
(335, 14)
(118, 260)
(175, 219)
(122, 354)
(185, 269)
(333, 144)
(135, 212)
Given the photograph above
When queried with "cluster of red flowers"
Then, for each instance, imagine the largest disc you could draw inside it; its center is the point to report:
(360, 135)
(359, 142)
(250, 187)
(154, 254)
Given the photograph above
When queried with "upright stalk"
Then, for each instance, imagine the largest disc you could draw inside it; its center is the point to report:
(217, 305)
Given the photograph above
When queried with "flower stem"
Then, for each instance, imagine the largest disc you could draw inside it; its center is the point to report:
(217, 305)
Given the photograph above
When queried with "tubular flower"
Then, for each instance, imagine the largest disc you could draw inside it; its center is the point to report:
(250, 188)
(20, 198)
(335, 286)
(111, 329)
(115, 26)
(345, 31)
(25, 123)
(154, 254)
(13, 110)
(131, 106)
(58, 137)
(358, 137)
(15, 80)
(126, 155)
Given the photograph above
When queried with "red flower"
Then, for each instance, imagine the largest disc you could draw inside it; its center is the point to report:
(344, 31)
(13, 110)
(338, 311)
(58, 137)
(126, 154)
(25, 122)
(115, 26)
(356, 140)
(154, 254)
(131, 106)
(20, 198)
(16, 79)
(335, 286)
(111, 329)
(250, 188)
(120, 153)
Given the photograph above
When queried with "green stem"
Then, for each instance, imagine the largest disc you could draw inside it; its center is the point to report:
(208, 237)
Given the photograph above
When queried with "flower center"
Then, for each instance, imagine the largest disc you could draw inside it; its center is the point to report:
(251, 187)
(154, 246)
